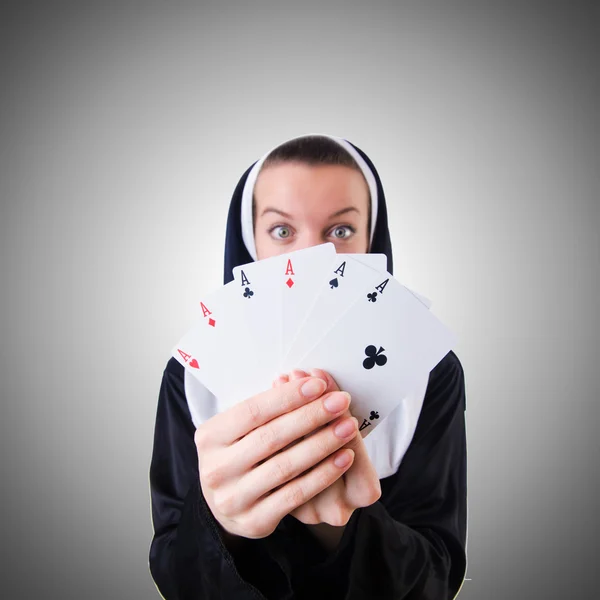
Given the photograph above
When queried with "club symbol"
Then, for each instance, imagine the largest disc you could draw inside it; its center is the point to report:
(372, 297)
(333, 283)
(374, 415)
(248, 293)
(374, 357)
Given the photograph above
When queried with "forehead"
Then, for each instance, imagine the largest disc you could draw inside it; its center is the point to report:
(292, 182)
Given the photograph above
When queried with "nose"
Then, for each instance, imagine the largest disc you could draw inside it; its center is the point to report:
(308, 239)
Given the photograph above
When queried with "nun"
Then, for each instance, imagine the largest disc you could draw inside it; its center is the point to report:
(280, 497)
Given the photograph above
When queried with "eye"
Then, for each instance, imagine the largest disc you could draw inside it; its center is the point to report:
(280, 232)
(342, 232)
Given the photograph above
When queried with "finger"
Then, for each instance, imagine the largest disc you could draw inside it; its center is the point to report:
(316, 509)
(244, 417)
(288, 465)
(299, 491)
(280, 380)
(363, 486)
(332, 386)
(297, 374)
(286, 430)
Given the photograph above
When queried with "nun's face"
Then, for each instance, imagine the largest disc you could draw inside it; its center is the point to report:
(299, 205)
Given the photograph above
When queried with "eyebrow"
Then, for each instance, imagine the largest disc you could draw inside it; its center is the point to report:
(287, 216)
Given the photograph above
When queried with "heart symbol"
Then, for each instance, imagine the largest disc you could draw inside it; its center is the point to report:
(333, 283)
(194, 363)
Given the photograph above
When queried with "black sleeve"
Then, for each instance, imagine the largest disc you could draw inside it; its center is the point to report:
(188, 559)
(410, 544)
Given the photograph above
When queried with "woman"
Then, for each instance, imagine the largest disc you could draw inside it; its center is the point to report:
(337, 516)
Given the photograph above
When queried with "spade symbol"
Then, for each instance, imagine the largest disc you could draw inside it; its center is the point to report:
(248, 293)
(374, 357)
(372, 297)
(333, 283)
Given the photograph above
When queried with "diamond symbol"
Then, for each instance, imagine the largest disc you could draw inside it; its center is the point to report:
(289, 282)
(211, 322)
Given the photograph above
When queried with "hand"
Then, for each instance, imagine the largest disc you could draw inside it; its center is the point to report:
(359, 486)
(252, 471)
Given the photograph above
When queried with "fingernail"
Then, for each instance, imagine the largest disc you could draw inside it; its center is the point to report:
(342, 460)
(337, 402)
(346, 428)
(313, 387)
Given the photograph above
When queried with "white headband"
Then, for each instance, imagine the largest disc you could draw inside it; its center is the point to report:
(248, 192)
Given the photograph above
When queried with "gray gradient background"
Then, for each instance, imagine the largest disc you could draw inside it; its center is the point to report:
(123, 131)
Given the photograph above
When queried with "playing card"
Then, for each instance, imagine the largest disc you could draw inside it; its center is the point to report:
(301, 276)
(350, 273)
(345, 282)
(258, 290)
(375, 261)
(209, 332)
(236, 349)
(262, 279)
(225, 350)
(380, 348)
(421, 298)
(379, 262)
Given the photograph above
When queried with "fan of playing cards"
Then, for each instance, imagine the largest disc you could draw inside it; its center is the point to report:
(314, 308)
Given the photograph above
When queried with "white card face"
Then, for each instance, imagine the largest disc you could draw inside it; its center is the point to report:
(222, 349)
(420, 297)
(379, 262)
(303, 273)
(380, 349)
(292, 278)
(210, 332)
(375, 261)
(262, 278)
(346, 281)
(257, 284)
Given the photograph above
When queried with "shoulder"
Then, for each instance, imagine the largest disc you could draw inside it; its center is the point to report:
(446, 379)
(450, 365)
(174, 369)
(173, 378)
